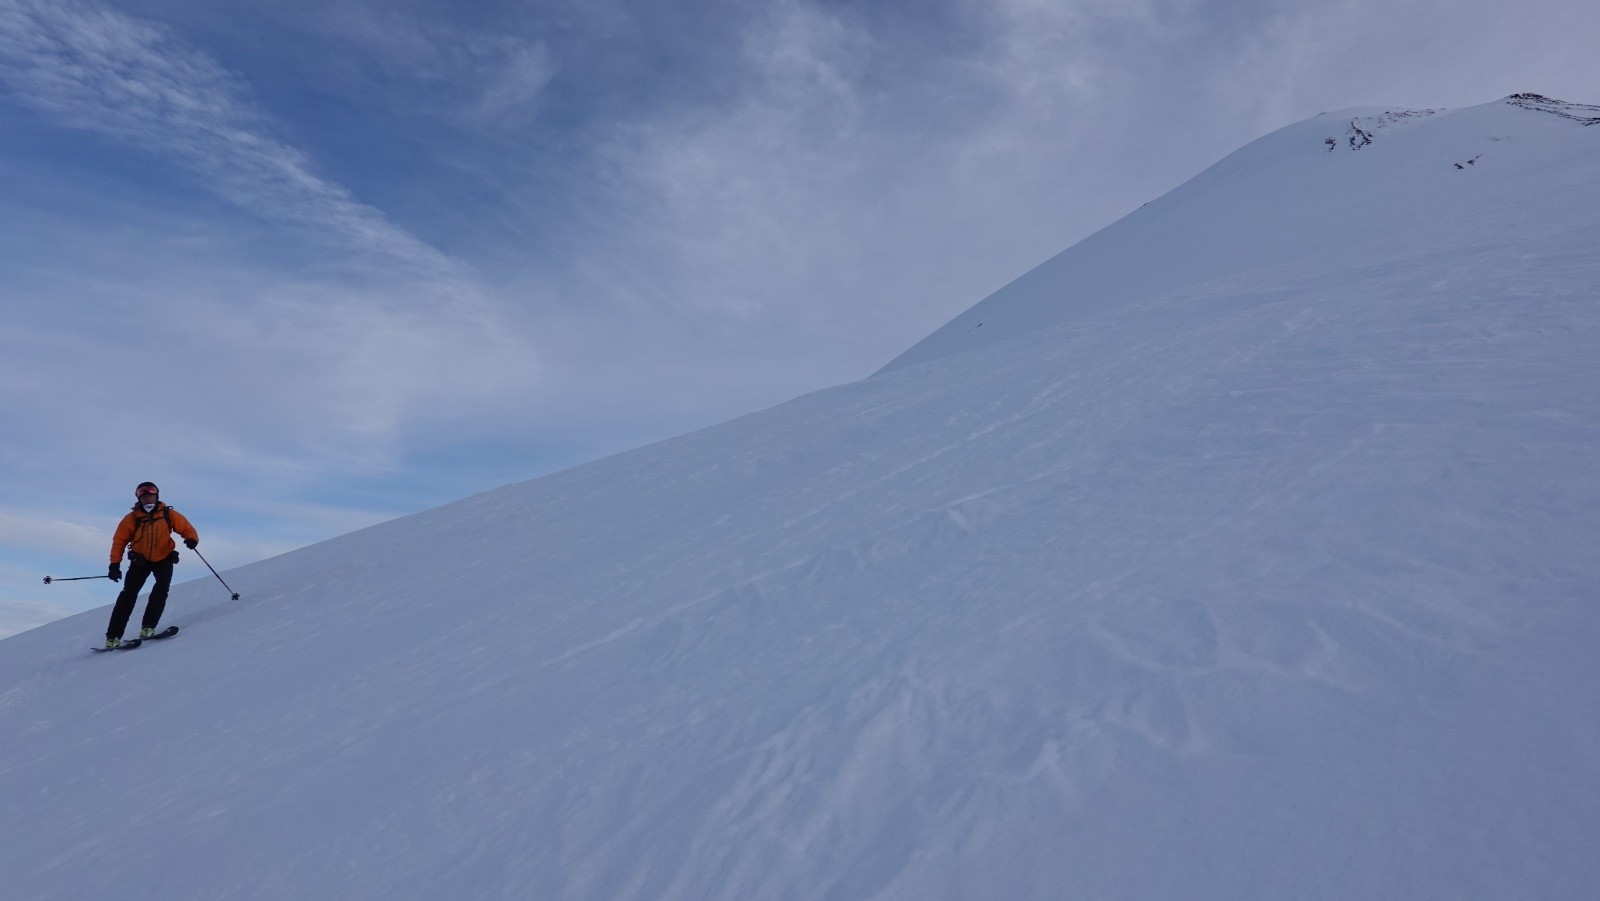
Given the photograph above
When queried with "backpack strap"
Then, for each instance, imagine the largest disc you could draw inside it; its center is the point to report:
(140, 522)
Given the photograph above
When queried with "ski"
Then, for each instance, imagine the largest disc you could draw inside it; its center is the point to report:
(128, 645)
(132, 643)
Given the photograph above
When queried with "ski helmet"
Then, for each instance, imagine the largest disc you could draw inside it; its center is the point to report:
(139, 491)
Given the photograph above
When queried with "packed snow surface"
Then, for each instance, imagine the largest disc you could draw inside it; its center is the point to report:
(1245, 550)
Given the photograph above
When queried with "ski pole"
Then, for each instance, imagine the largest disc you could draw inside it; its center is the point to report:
(49, 579)
(214, 571)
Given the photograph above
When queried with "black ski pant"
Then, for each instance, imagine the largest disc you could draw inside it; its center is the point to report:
(140, 569)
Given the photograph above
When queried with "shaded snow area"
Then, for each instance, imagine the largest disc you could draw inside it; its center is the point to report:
(1270, 573)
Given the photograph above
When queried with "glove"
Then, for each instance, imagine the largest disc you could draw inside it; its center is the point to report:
(190, 543)
(114, 572)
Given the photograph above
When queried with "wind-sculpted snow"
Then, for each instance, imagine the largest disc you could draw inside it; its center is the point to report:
(1278, 584)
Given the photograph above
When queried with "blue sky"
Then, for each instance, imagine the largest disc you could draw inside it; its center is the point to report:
(311, 266)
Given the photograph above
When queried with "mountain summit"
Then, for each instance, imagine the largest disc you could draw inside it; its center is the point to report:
(1355, 187)
(1243, 550)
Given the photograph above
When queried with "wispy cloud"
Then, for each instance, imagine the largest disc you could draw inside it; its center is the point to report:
(413, 332)
(515, 75)
(857, 173)
(92, 68)
(43, 531)
(440, 68)
(20, 616)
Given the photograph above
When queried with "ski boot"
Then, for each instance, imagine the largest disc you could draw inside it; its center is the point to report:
(146, 632)
(112, 643)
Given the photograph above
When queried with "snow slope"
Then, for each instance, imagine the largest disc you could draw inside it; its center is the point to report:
(1267, 573)
(1368, 186)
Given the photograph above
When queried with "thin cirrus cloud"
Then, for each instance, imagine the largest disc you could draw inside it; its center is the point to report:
(91, 68)
(87, 67)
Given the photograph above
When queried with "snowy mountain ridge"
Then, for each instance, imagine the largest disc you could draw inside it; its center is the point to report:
(1245, 551)
(1299, 197)
(1364, 127)
(1583, 113)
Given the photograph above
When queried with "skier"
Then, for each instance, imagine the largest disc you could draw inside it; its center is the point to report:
(146, 535)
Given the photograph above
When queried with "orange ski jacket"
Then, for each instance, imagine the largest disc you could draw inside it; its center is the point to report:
(149, 535)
